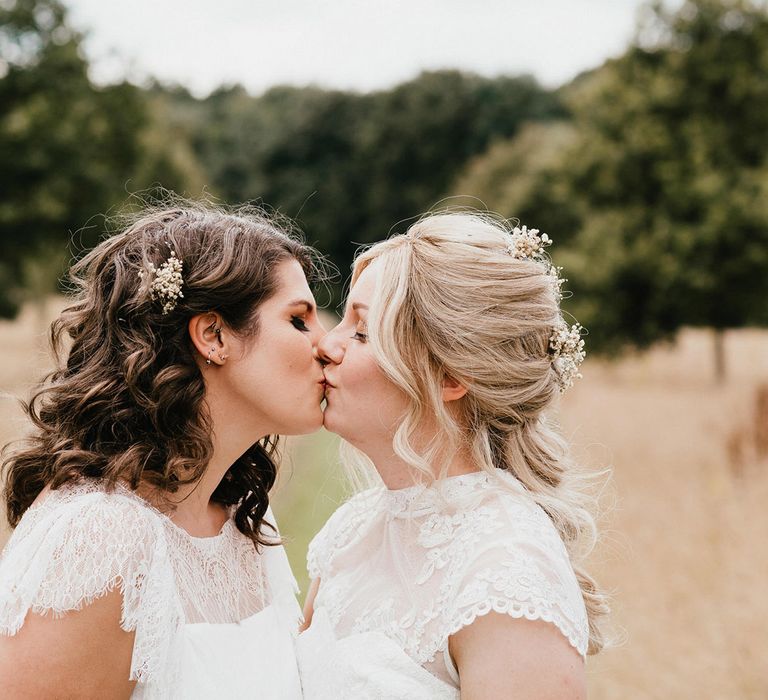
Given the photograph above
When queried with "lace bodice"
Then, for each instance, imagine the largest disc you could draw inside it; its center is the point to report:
(415, 566)
(81, 542)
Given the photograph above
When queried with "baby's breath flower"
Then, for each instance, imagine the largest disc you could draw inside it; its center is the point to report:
(528, 244)
(567, 348)
(167, 283)
(557, 281)
(566, 345)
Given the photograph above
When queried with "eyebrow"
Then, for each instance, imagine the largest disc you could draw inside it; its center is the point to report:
(359, 305)
(303, 302)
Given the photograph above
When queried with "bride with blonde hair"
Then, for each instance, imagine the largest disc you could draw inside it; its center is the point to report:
(460, 573)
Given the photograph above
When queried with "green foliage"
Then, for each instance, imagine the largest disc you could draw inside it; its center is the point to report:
(64, 146)
(68, 150)
(421, 133)
(167, 158)
(348, 166)
(351, 166)
(514, 178)
(661, 196)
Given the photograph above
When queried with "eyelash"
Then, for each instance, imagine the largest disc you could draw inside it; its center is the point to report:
(298, 323)
(362, 337)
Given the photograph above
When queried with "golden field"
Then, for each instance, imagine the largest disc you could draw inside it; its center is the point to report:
(685, 524)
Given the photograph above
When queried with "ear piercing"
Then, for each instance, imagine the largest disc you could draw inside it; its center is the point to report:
(217, 331)
(210, 352)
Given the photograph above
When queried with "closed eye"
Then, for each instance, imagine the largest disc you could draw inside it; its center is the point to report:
(299, 323)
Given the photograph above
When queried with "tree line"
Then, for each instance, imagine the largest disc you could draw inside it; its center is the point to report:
(650, 171)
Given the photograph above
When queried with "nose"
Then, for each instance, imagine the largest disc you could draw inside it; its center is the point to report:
(330, 349)
(317, 331)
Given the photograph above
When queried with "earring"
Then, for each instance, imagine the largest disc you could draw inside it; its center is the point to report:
(208, 361)
(222, 357)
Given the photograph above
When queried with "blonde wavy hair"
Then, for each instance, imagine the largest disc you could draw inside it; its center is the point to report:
(452, 301)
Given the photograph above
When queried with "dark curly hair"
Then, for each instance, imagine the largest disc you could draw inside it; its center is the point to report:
(127, 400)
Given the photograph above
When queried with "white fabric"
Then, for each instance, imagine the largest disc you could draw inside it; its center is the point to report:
(401, 571)
(212, 618)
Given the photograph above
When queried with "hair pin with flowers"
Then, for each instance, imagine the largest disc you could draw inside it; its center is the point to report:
(166, 283)
(566, 345)
(567, 348)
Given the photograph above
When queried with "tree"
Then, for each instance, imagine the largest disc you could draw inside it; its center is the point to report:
(421, 134)
(67, 149)
(349, 166)
(666, 183)
(167, 156)
(518, 178)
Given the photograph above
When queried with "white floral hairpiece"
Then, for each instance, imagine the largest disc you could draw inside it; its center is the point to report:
(567, 348)
(167, 282)
(528, 244)
(565, 344)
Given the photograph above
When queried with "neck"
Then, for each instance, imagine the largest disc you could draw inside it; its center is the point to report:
(231, 437)
(396, 473)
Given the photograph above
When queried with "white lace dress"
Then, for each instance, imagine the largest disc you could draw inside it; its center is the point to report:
(401, 571)
(211, 617)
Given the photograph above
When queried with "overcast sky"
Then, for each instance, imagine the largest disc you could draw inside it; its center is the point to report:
(351, 44)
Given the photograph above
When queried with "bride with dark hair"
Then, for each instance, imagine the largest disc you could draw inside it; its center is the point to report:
(145, 561)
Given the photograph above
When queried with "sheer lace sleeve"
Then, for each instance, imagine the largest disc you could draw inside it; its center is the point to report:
(78, 545)
(520, 569)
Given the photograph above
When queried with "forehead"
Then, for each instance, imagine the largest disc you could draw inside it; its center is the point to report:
(291, 281)
(365, 285)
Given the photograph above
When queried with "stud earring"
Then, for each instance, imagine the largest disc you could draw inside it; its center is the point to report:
(208, 361)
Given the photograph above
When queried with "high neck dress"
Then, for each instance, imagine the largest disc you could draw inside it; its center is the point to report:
(401, 571)
(211, 616)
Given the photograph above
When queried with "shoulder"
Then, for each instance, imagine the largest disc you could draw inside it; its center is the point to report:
(81, 544)
(354, 509)
(509, 558)
(341, 528)
(499, 656)
(75, 545)
(86, 513)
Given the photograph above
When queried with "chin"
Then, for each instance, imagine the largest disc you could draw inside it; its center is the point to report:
(332, 425)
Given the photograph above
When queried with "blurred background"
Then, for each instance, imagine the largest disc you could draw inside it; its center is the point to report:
(635, 134)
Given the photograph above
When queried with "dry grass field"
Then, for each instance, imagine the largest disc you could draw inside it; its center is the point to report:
(685, 532)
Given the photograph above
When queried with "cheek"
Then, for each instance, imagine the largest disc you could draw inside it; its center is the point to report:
(361, 374)
(281, 361)
(297, 356)
(292, 352)
(369, 392)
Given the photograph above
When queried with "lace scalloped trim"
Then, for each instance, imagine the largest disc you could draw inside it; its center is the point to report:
(11, 623)
(517, 610)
